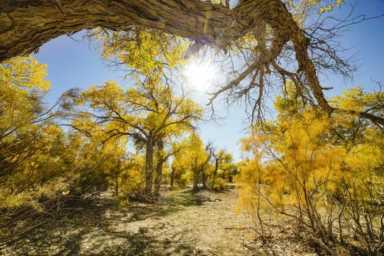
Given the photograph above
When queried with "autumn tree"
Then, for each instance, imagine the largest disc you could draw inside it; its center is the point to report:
(193, 160)
(38, 159)
(223, 169)
(201, 164)
(148, 114)
(162, 156)
(101, 164)
(23, 80)
(324, 172)
(31, 144)
(179, 167)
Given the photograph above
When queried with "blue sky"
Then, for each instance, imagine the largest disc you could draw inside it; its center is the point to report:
(365, 46)
(74, 62)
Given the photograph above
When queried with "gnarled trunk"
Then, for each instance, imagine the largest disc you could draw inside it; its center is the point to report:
(148, 166)
(172, 178)
(204, 179)
(217, 160)
(159, 168)
(196, 179)
(116, 185)
(26, 25)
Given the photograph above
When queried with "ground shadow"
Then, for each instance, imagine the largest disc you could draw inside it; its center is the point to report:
(54, 232)
(167, 205)
(82, 227)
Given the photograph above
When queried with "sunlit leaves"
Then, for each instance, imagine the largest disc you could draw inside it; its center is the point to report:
(306, 158)
(24, 73)
(144, 51)
(323, 5)
(189, 160)
(22, 80)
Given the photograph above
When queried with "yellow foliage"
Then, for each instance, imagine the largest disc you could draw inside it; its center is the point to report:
(24, 73)
(306, 159)
(145, 51)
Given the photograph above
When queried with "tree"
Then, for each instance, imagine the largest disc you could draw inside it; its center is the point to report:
(161, 158)
(27, 25)
(223, 169)
(23, 80)
(38, 159)
(29, 141)
(178, 169)
(323, 172)
(149, 114)
(193, 159)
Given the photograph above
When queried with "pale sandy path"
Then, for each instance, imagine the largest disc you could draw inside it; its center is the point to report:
(181, 224)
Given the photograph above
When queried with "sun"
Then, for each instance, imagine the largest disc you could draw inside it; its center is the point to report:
(200, 74)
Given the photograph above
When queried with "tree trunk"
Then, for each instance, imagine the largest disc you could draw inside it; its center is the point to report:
(117, 174)
(195, 178)
(204, 178)
(148, 167)
(195, 182)
(116, 185)
(230, 176)
(159, 167)
(215, 173)
(172, 178)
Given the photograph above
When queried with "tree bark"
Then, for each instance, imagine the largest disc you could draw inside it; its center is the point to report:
(159, 167)
(116, 185)
(204, 178)
(26, 25)
(217, 160)
(195, 176)
(172, 179)
(195, 182)
(148, 167)
(116, 177)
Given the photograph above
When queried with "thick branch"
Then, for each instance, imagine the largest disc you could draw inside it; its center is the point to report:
(27, 25)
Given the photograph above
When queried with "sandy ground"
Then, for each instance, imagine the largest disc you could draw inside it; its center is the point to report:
(181, 223)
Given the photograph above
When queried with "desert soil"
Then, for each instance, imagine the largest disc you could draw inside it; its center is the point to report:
(181, 223)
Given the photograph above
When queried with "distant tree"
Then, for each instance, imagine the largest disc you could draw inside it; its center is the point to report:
(222, 170)
(193, 160)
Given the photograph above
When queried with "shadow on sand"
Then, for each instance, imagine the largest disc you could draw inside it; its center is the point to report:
(85, 227)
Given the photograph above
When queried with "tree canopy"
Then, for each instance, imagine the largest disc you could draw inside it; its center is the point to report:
(266, 32)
